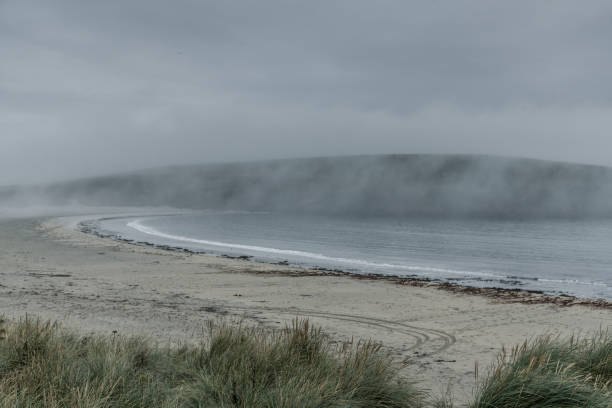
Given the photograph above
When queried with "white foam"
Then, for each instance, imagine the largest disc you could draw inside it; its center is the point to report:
(572, 281)
(137, 225)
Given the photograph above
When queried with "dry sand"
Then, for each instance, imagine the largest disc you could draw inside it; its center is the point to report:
(92, 284)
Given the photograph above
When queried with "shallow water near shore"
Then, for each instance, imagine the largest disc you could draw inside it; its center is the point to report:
(571, 257)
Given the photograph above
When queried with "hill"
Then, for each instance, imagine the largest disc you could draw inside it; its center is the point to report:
(385, 185)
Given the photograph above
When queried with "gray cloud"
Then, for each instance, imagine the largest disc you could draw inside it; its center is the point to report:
(98, 87)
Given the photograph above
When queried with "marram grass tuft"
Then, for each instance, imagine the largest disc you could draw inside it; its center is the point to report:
(43, 365)
(551, 372)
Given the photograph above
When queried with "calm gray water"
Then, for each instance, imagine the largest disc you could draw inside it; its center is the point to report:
(556, 256)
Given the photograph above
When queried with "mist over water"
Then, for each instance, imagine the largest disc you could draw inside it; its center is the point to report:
(390, 185)
(474, 220)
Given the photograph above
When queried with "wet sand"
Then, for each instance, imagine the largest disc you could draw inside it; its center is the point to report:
(91, 284)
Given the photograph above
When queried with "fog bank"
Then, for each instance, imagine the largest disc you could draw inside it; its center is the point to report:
(385, 185)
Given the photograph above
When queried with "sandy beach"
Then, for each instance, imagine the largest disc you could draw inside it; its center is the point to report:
(50, 269)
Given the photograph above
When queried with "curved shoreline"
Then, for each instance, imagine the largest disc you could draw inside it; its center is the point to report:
(96, 285)
(509, 295)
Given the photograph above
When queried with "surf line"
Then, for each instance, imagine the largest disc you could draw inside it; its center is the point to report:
(138, 226)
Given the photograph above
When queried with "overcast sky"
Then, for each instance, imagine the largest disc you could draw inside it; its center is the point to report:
(91, 87)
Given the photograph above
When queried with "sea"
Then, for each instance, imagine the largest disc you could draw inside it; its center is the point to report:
(555, 256)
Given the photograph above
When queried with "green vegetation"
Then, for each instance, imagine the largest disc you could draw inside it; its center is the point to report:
(551, 372)
(42, 365)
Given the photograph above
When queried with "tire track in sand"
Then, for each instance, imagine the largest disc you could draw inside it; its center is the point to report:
(422, 336)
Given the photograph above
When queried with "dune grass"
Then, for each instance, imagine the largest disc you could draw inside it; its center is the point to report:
(551, 372)
(43, 365)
